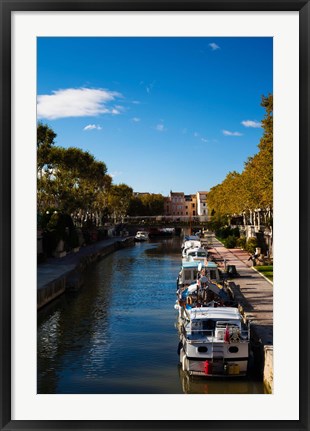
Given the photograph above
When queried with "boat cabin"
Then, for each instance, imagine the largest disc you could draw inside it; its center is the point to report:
(190, 269)
(197, 253)
(217, 323)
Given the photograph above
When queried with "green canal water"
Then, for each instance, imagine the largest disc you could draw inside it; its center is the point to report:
(118, 334)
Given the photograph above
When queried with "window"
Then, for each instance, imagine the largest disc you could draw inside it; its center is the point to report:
(213, 274)
(233, 349)
(187, 275)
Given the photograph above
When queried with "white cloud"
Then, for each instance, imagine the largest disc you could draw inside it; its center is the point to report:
(228, 133)
(136, 119)
(251, 123)
(196, 134)
(120, 108)
(92, 127)
(160, 127)
(204, 140)
(76, 102)
(148, 87)
(116, 174)
(214, 46)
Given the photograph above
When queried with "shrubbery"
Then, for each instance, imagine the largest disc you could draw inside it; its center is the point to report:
(241, 242)
(251, 245)
(228, 236)
(226, 231)
(230, 241)
(58, 226)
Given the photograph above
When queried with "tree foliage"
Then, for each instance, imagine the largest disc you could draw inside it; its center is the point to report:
(119, 200)
(150, 204)
(69, 179)
(253, 188)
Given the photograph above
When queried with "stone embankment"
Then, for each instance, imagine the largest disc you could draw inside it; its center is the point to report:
(56, 275)
(254, 294)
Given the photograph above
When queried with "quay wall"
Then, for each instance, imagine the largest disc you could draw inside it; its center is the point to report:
(263, 357)
(260, 342)
(268, 369)
(72, 279)
(51, 291)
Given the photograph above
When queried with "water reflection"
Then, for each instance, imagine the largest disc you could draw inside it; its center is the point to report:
(236, 385)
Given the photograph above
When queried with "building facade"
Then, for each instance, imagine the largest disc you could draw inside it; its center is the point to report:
(189, 206)
(202, 208)
(177, 203)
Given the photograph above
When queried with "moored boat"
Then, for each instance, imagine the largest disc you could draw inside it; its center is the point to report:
(141, 236)
(190, 270)
(195, 253)
(190, 242)
(214, 341)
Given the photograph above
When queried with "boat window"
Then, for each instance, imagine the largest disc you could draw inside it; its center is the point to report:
(208, 325)
(187, 275)
(202, 349)
(213, 274)
(233, 349)
(223, 324)
(196, 325)
(201, 254)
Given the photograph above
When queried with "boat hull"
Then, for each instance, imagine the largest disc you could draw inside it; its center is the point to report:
(214, 367)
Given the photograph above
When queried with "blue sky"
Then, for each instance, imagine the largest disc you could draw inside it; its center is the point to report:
(162, 113)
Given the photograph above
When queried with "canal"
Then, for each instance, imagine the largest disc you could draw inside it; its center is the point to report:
(118, 335)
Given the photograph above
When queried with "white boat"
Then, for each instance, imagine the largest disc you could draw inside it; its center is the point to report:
(141, 236)
(190, 269)
(214, 341)
(198, 285)
(195, 253)
(190, 242)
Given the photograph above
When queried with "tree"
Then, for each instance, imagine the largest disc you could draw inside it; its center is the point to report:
(45, 141)
(136, 207)
(153, 203)
(253, 188)
(119, 200)
(70, 180)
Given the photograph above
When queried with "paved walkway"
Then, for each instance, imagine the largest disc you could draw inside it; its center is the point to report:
(254, 291)
(54, 268)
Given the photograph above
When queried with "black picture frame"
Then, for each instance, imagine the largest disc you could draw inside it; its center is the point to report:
(7, 7)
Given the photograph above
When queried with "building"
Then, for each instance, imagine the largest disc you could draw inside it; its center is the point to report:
(190, 205)
(177, 203)
(202, 209)
(167, 205)
(180, 205)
